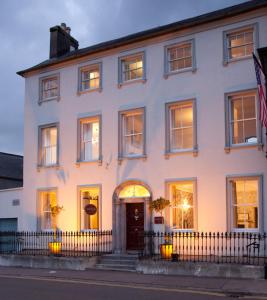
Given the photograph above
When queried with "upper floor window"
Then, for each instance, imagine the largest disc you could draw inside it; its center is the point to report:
(244, 196)
(132, 133)
(240, 43)
(89, 207)
(183, 208)
(241, 113)
(181, 126)
(179, 57)
(90, 78)
(49, 88)
(46, 200)
(48, 145)
(89, 139)
(131, 68)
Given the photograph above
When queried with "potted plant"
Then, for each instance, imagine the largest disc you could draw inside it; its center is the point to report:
(158, 205)
(55, 246)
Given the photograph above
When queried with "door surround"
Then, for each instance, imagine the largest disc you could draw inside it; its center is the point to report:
(119, 214)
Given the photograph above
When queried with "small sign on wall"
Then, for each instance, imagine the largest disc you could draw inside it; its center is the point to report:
(90, 209)
(15, 202)
(158, 220)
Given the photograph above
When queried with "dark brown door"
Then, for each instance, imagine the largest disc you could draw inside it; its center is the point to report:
(134, 225)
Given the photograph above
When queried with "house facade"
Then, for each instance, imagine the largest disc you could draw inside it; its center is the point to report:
(11, 191)
(169, 112)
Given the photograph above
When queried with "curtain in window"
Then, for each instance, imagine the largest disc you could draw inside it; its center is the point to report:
(49, 146)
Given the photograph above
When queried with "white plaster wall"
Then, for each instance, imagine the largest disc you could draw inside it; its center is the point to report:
(7, 210)
(208, 85)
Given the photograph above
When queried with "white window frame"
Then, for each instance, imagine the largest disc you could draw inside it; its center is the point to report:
(79, 138)
(169, 213)
(40, 145)
(90, 67)
(122, 114)
(167, 71)
(41, 85)
(230, 213)
(122, 59)
(252, 27)
(168, 107)
(40, 205)
(228, 121)
(79, 204)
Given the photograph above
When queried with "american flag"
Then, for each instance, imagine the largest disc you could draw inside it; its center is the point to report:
(262, 91)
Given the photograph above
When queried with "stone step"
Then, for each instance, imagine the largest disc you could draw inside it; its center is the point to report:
(116, 267)
(114, 261)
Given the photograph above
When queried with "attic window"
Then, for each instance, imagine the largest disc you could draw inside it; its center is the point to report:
(49, 88)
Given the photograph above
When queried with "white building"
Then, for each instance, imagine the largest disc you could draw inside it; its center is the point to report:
(171, 112)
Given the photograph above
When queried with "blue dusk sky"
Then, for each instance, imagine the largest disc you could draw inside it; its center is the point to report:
(24, 35)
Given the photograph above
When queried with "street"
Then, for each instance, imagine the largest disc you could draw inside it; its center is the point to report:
(15, 287)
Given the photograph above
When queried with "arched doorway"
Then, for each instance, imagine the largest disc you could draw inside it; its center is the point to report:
(131, 215)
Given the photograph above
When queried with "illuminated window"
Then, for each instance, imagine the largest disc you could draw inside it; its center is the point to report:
(182, 205)
(242, 121)
(89, 144)
(244, 193)
(47, 199)
(49, 88)
(90, 78)
(180, 57)
(240, 43)
(48, 145)
(131, 68)
(89, 207)
(132, 133)
(181, 126)
(134, 191)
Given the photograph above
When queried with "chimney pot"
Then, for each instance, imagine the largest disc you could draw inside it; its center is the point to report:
(63, 26)
(68, 29)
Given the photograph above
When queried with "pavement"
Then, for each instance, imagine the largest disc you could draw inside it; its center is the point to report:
(246, 288)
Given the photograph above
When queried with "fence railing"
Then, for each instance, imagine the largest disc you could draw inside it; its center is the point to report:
(240, 248)
(60, 243)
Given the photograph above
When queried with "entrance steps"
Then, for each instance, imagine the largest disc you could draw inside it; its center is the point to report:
(118, 262)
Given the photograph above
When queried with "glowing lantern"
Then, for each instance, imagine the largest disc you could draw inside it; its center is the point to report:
(54, 247)
(166, 251)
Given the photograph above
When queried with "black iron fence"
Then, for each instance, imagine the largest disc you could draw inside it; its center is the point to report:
(240, 248)
(61, 243)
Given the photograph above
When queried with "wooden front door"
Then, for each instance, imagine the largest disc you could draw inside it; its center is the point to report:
(134, 225)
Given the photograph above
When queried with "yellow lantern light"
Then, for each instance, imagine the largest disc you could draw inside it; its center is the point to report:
(166, 251)
(54, 247)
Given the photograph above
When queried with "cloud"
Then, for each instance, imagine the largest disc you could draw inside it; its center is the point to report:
(24, 35)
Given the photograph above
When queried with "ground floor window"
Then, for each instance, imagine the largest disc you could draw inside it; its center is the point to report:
(182, 197)
(244, 197)
(47, 199)
(89, 207)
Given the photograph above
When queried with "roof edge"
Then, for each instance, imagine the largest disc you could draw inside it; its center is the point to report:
(153, 32)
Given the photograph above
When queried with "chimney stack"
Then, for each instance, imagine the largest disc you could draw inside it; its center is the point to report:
(61, 42)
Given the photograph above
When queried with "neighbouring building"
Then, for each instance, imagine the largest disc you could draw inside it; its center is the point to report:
(171, 111)
(11, 183)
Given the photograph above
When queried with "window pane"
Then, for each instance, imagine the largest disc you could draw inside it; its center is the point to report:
(250, 131)
(138, 123)
(237, 132)
(132, 68)
(249, 107)
(89, 196)
(187, 115)
(47, 199)
(245, 203)
(182, 205)
(49, 146)
(176, 139)
(134, 144)
(90, 141)
(188, 138)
